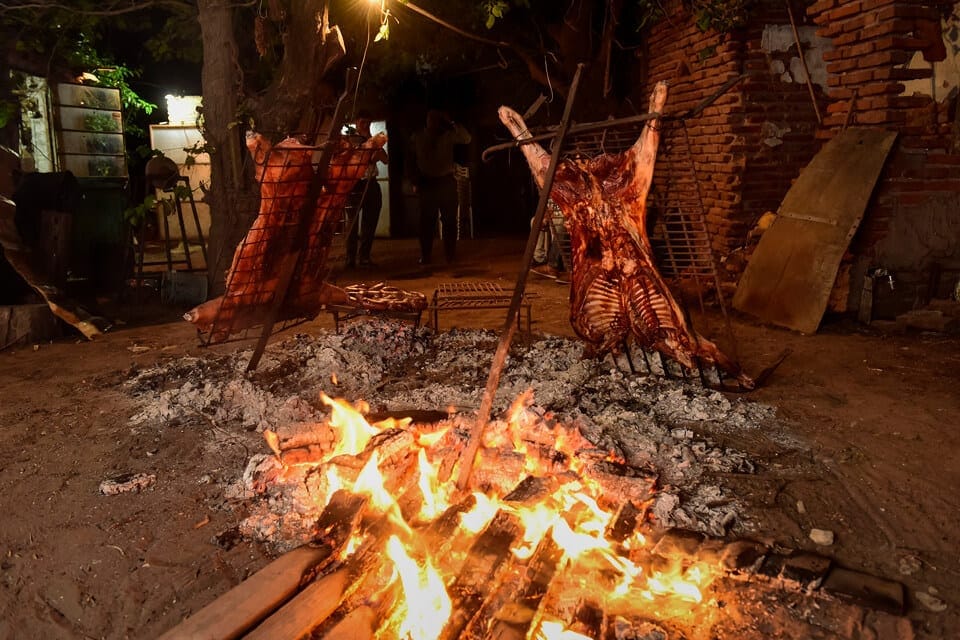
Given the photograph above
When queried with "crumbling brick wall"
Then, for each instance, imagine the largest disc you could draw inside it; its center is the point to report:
(750, 144)
(894, 65)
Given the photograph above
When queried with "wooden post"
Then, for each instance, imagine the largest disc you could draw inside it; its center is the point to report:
(509, 327)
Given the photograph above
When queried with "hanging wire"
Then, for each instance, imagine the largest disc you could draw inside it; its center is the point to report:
(546, 69)
(363, 60)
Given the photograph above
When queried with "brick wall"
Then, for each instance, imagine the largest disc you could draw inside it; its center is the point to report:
(752, 142)
(882, 74)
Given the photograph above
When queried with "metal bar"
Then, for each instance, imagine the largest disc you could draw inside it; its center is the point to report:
(183, 231)
(606, 124)
(509, 328)
(573, 129)
(196, 220)
(803, 63)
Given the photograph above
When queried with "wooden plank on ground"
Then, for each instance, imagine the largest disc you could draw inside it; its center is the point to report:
(243, 607)
(792, 271)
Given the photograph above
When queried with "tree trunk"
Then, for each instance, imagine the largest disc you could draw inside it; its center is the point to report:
(232, 196)
(292, 104)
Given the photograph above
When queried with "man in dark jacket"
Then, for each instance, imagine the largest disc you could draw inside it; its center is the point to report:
(434, 181)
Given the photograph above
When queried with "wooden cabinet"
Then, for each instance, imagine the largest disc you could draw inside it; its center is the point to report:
(89, 130)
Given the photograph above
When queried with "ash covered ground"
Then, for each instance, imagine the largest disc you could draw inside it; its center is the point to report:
(649, 421)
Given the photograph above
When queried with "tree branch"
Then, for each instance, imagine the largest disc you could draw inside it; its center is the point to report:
(119, 8)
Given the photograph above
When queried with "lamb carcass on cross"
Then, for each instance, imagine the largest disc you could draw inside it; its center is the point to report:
(284, 172)
(616, 291)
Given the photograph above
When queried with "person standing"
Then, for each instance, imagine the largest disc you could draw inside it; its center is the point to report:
(434, 181)
(365, 201)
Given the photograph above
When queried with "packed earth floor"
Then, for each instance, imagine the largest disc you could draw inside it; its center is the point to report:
(855, 434)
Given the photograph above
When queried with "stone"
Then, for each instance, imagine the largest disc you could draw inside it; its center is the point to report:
(909, 564)
(807, 570)
(864, 589)
(822, 537)
(930, 601)
(927, 320)
(883, 626)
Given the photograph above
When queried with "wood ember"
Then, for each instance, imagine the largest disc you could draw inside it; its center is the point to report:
(652, 423)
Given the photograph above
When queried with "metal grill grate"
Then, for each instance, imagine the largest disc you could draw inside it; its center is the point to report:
(677, 222)
(288, 232)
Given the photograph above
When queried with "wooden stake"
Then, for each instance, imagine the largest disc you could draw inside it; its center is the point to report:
(509, 327)
(803, 62)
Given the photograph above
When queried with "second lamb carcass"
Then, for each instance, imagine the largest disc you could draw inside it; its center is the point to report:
(616, 290)
(285, 172)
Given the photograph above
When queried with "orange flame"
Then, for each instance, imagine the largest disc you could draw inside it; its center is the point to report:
(477, 519)
(573, 516)
(435, 498)
(550, 630)
(353, 431)
(427, 603)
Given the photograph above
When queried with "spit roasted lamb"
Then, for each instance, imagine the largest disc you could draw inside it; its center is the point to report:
(616, 291)
(285, 171)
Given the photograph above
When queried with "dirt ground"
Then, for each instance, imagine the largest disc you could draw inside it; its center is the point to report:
(870, 450)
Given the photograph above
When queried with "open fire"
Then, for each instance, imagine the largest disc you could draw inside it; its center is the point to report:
(547, 543)
(555, 535)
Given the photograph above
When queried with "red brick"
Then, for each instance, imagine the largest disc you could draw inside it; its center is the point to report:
(847, 38)
(856, 77)
(855, 25)
(861, 49)
(870, 5)
(843, 11)
(879, 117)
(833, 54)
(899, 25)
(882, 87)
(903, 74)
(830, 30)
(912, 102)
(882, 58)
(904, 10)
(898, 42)
(842, 65)
(838, 107)
(820, 7)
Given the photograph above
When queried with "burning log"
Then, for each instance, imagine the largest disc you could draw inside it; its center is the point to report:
(616, 291)
(509, 613)
(474, 581)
